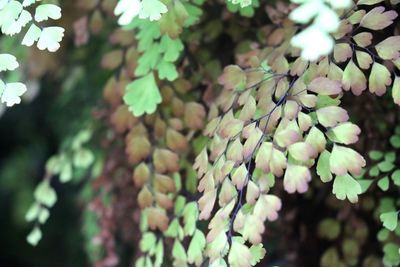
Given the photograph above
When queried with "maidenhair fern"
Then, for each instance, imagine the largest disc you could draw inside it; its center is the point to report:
(65, 165)
(14, 17)
(158, 44)
(215, 114)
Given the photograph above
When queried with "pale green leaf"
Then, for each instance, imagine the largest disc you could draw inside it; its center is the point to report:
(44, 214)
(142, 95)
(242, 3)
(32, 35)
(27, 3)
(45, 195)
(66, 172)
(50, 38)
(17, 26)
(396, 90)
(159, 253)
(147, 242)
(196, 247)
(257, 254)
(9, 15)
(34, 236)
(167, 70)
(46, 11)
(178, 251)
(368, 2)
(346, 187)
(8, 62)
(389, 219)
(127, 10)
(11, 93)
(323, 168)
(152, 9)
(239, 255)
(83, 158)
(33, 212)
(365, 184)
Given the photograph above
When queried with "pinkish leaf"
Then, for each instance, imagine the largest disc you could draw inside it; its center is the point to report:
(357, 16)
(396, 90)
(207, 182)
(344, 133)
(252, 192)
(227, 193)
(267, 207)
(363, 39)
(317, 139)
(251, 143)
(304, 121)
(341, 52)
(378, 19)
(231, 129)
(194, 116)
(217, 147)
(379, 79)
(201, 163)
(344, 159)
(233, 78)
(239, 177)
(248, 109)
(302, 151)
(235, 151)
(389, 48)
(278, 162)
(354, 78)
(263, 157)
(206, 204)
(291, 109)
(308, 100)
(364, 60)
(286, 137)
(331, 116)
(325, 86)
(296, 178)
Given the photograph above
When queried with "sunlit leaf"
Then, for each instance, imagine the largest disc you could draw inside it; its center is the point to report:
(11, 93)
(46, 11)
(152, 9)
(32, 35)
(50, 38)
(8, 62)
(127, 10)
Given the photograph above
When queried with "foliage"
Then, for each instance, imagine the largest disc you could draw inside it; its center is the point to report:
(216, 116)
(15, 16)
